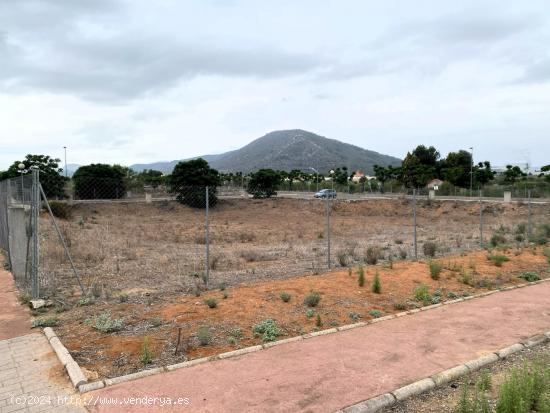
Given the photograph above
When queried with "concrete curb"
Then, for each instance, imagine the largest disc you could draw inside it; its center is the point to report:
(224, 356)
(73, 369)
(377, 403)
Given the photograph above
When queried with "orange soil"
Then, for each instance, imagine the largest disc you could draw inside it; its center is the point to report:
(247, 305)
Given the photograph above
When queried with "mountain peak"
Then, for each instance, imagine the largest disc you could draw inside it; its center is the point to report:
(292, 149)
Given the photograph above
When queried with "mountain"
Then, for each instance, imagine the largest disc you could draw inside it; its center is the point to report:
(287, 150)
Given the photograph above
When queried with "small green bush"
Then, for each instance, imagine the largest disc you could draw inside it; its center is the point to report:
(267, 329)
(211, 302)
(376, 284)
(104, 323)
(310, 313)
(429, 248)
(422, 293)
(312, 299)
(375, 313)
(146, 355)
(61, 210)
(498, 239)
(156, 321)
(372, 255)
(452, 295)
(526, 389)
(204, 335)
(285, 296)
(361, 277)
(45, 322)
(498, 259)
(318, 321)
(435, 269)
(86, 300)
(400, 306)
(530, 276)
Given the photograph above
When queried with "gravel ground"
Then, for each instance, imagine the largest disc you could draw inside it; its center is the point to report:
(445, 399)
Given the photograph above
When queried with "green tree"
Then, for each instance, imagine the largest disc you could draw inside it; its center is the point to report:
(264, 183)
(456, 168)
(50, 173)
(512, 174)
(483, 173)
(151, 177)
(99, 181)
(189, 180)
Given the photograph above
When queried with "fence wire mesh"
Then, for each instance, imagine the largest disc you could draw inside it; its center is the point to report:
(17, 231)
(162, 240)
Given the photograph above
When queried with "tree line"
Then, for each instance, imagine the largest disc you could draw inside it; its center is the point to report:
(189, 178)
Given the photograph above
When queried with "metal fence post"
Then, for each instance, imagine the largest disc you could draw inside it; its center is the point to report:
(207, 239)
(328, 230)
(529, 222)
(480, 221)
(35, 216)
(414, 221)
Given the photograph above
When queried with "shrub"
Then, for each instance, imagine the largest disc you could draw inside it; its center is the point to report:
(498, 259)
(429, 248)
(267, 329)
(211, 302)
(310, 313)
(45, 322)
(61, 210)
(104, 323)
(435, 269)
(123, 298)
(422, 293)
(546, 253)
(156, 321)
(222, 286)
(373, 255)
(312, 299)
(497, 239)
(526, 389)
(361, 277)
(204, 335)
(285, 297)
(530, 276)
(318, 321)
(375, 313)
(466, 277)
(86, 300)
(376, 284)
(400, 305)
(452, 295)
(403, 253)
(342, 257)
(146, 356)
(354, 316)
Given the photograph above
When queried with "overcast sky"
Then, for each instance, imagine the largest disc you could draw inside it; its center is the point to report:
(143, 81)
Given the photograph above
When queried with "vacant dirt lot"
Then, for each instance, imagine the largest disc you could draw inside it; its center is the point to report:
(206, 331)
(160, 247)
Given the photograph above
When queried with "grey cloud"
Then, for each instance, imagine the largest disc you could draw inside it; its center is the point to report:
(127, 67)
(538, 72)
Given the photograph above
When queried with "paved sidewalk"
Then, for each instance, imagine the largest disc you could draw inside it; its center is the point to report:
(326, 373)
(31, 377)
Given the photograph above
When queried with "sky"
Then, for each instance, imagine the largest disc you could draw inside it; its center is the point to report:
(120, 81)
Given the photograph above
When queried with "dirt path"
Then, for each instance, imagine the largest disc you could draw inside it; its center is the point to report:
(329, 372)
(14, 318)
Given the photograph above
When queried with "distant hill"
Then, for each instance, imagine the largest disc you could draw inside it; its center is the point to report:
(287, 150)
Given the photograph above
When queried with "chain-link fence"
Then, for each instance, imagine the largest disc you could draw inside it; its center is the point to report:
(19, 199)
(190, 238)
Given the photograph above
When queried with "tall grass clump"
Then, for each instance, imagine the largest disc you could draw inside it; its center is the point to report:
(146, 355)
(376, 284)
(422, 293)
(435, 269)
(312, 299)
(498, 259)
(361, 277)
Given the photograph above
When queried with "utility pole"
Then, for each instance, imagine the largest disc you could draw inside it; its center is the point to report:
(65, 148)
(472, 172)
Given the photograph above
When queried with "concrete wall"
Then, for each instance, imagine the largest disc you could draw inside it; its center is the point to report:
(18, 221)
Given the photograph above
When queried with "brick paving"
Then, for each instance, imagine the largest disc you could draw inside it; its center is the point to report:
(31, 377)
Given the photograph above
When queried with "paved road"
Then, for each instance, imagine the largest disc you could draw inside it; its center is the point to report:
(31, 377)
(325, 373)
